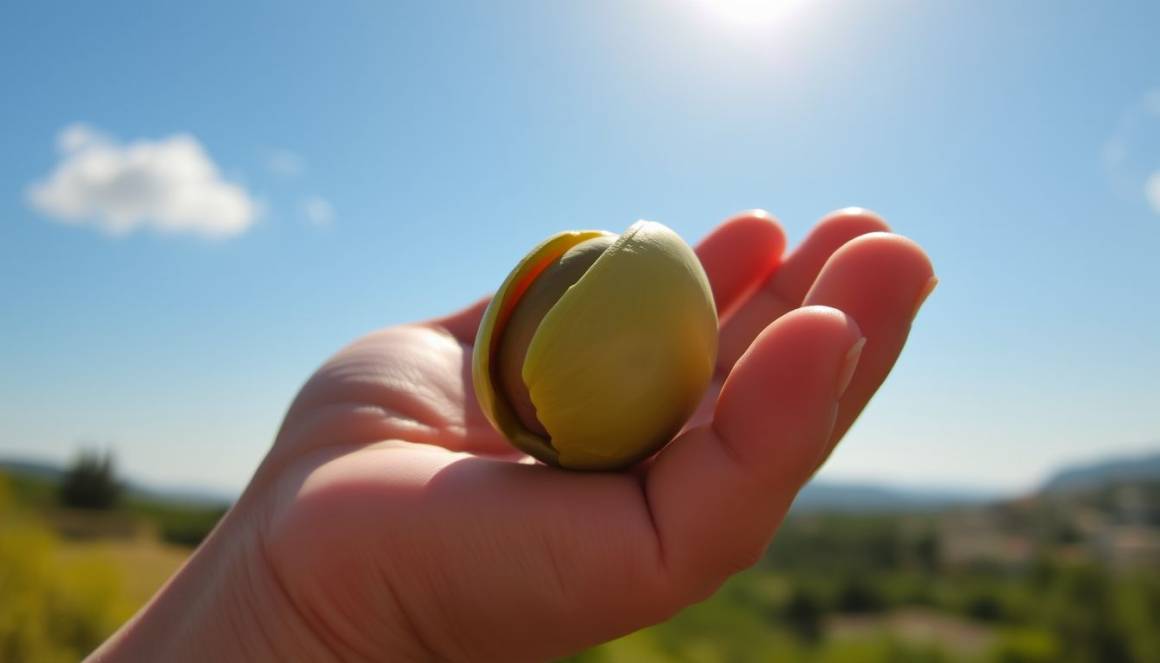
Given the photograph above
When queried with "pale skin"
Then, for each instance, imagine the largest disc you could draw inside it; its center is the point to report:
(389, 521)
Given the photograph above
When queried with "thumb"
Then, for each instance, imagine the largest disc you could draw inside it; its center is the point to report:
(718, 492)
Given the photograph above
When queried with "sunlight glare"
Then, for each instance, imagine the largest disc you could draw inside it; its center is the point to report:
(749, 13)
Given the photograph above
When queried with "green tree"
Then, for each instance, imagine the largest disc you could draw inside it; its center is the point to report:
(858, 595)
(1084, 618)
(803, 614)
(91, 482)
(927, 551)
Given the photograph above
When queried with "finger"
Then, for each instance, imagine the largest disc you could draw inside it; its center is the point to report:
(463, 323)
(785, 290)
(739, 255)
(881, 281)
(718, 491)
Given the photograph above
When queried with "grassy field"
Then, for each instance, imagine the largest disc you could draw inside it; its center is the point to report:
(68, 579)
(141, 565)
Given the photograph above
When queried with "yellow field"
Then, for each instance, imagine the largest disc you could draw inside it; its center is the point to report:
(60, 598)
(142, 564)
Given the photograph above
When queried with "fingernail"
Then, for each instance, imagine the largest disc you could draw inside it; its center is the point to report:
(849, 364)
(922, 295)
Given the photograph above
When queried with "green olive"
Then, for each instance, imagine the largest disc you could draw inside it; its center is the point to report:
(597, 348)
(541, 296)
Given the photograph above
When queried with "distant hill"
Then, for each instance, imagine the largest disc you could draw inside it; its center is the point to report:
(1095, 474)
(174, 495)
(31, 468)
(869, 498)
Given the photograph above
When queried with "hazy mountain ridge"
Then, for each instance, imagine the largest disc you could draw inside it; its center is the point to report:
(872, 497)
(1091, 475)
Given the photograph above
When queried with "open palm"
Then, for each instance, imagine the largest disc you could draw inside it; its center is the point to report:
(392, 522)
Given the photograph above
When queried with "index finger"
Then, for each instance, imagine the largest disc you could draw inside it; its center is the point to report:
(786, 288)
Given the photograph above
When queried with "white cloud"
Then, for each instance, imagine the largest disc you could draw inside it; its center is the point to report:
(169, 185)
(284, 163)
(318, 211)
(1129, 153)
(76, 136)
(1152, 191)
(1152, 102)
(1115, 151)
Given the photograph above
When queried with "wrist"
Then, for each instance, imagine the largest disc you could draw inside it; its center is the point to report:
(224, 604)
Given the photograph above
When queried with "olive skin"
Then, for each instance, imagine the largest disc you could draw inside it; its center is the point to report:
(597, 348)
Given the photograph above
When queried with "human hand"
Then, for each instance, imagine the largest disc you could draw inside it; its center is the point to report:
(390, 521)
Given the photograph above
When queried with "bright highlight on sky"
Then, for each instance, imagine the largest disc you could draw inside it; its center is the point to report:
(751, 14)
(192, 219)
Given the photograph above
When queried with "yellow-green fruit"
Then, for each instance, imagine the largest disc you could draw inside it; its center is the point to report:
(597, 348)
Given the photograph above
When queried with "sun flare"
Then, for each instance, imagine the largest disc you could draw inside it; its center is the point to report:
(749, 13)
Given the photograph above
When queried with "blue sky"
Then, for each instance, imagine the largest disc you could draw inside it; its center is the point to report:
(384, 162)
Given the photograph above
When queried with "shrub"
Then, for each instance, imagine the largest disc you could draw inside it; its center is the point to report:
(90, 483)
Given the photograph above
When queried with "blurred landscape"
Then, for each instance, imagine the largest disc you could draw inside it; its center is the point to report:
(1070, 572)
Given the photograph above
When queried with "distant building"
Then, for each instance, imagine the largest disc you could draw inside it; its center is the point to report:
(973, 536)
(1124, 547)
